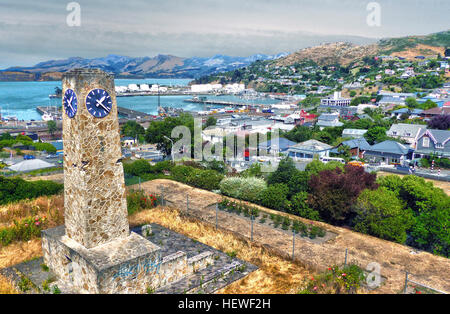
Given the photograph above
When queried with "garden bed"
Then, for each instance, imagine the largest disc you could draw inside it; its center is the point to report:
(308, 232)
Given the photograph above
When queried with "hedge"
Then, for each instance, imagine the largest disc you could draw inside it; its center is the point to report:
(16, 189)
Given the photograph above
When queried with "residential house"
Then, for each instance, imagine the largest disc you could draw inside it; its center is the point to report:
(309, 150)
(433, 142)
(437, 111)
(388, 153)
(329, 120)
(128, 141)
(412, 113)
(336, 100)
(357, 147)
(279, 145)
(407, 132)
(394, 98)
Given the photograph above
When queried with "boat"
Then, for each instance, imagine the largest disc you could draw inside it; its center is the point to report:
(47, 117)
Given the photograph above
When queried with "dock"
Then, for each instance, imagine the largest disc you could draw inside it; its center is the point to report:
(132, 114)
(220, 103)
(123, 112)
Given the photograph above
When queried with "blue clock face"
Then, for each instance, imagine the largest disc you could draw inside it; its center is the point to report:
(70, 103)
(98, 103)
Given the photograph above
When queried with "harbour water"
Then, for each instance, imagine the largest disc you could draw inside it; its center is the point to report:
(20, 99)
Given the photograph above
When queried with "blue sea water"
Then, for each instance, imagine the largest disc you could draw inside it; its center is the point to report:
(20, 99)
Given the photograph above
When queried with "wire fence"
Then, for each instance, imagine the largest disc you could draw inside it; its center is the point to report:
(414, 287)
(283, 241)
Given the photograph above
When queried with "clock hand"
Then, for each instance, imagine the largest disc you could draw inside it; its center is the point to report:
(101, 100)
(70, 103)
(99, 103)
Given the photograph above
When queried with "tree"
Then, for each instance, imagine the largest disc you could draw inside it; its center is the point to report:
(210, 122)
(441, 122)
(284, 172)
(51, 125)
(380, 213)
(132, 129)
(275, 196)
(6, 136)
(344, 151)
(352, 93)
(301, 208)
(316, 166)
(431, 209)
(376, 135)
(411, 103)
(299, 134)
(428, 105)
(310, 101)
(430, 231)
(159, 131)
(334, 192)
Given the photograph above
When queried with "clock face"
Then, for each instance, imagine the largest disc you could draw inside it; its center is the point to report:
(70, 103)
(98, 103)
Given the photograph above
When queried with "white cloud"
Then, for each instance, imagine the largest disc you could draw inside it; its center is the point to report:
(36, 30)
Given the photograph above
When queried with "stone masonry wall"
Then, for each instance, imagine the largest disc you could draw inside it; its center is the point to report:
(94, 186)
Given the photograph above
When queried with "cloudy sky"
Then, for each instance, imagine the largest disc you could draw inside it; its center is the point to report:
(33, 31)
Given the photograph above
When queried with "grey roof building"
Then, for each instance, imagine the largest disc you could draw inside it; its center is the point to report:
(407, 132)
(436, 142)
(388, 152)
(277, 145)
(329, 120)
(309, 149)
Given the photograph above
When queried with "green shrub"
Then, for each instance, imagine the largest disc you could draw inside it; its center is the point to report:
(182, 173)
(275, 196)
(336, 280)
(286, 223)
(16, 189)
(23, 230)
(138, 200)
(301, 208)
(137, 168)
(205, 179)
(380, 213)
(248, 188)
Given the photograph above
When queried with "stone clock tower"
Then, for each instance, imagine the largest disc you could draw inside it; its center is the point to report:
(95, 252)
(94, 186)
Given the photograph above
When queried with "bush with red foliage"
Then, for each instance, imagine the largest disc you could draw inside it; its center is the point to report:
(333, 192)
(441, 122)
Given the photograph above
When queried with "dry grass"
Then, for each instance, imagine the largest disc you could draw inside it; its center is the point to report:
(276, 275)
(18, 252)
(14, 254)
(421, 49)
(50, 207)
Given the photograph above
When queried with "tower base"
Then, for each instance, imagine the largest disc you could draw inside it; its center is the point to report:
(130, 265)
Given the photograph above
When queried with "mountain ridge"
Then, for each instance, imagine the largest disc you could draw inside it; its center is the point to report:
(160, 66)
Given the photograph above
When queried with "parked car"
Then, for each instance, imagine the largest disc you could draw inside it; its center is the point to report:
(28, 157)
(51, 156)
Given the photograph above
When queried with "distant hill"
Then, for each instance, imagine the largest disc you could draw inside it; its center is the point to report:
(161, 66)
(334, 53)
(346, 53)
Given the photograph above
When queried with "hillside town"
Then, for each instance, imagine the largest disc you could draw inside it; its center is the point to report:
(325, 170)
